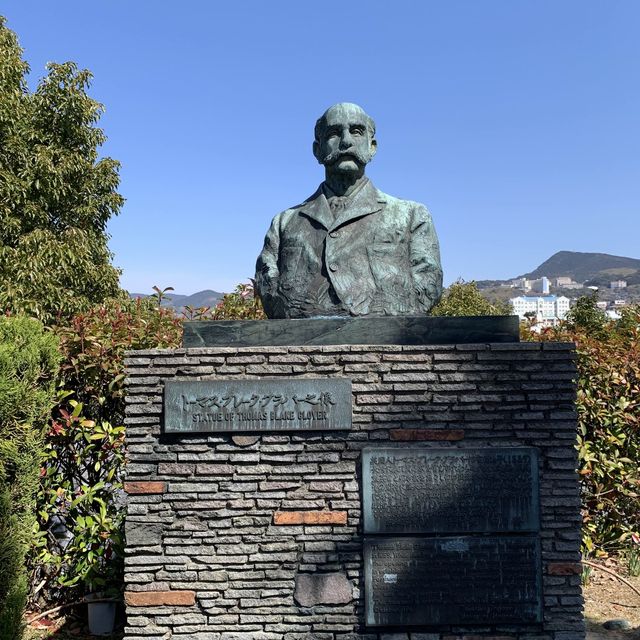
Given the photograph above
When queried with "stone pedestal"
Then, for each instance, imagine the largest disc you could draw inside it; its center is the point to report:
(260, 534)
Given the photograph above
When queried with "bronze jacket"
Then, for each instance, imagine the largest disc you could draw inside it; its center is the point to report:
(380, 256)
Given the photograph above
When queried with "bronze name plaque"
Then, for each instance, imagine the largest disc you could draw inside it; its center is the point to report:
(282, 404)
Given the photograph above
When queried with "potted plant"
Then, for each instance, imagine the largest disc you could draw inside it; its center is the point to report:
(103, 595)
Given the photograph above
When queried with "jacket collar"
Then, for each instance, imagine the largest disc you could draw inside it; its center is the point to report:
(366, 201)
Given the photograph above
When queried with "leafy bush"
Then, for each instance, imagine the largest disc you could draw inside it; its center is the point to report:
(94, 345)
(608, 406)
(28, 365)
(242, 304)
(80, 516)
(464, 299)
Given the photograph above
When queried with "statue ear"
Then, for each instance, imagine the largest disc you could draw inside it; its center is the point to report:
(316, 151)
(373, 145)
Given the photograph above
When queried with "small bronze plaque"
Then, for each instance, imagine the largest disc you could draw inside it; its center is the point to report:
(452, 580)
(282, 404)
(437, 490)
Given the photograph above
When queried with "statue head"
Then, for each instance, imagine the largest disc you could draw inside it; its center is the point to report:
(344, 138)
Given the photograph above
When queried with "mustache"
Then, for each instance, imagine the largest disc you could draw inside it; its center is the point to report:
(332, 158)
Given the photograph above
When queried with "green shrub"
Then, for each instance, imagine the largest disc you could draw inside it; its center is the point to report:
(13, 583)
(464, 299)
(94, 345)
(79, 540)
(242, 304)
(28, 365)
(608, 406)
(633, 556)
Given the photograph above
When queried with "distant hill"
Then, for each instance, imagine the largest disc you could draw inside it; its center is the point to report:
(597, 269)
(206, 298)
(584, 267)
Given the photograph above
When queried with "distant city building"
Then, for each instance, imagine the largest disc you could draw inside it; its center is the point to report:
(544, 309)
(619, 303)
(618, 284)
(565, 282)
(521, 283)
(541, 285)
(602, 304)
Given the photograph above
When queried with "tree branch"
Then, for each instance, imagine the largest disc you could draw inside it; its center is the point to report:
(613, 573)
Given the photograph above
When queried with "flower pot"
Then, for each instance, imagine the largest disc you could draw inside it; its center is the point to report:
(102, 617)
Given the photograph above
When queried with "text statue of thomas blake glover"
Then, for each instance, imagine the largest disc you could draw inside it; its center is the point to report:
(349, 250)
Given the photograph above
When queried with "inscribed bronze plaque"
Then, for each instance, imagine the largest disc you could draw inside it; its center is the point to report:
(282, 404)
(489, 490)
(452, 580)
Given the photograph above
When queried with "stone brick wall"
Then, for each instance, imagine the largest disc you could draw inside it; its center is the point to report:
(219, 526)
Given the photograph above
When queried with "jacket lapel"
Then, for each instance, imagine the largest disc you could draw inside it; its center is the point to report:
(365, 202)
(317, 208)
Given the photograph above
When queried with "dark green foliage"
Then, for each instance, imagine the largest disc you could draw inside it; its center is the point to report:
(464, 299)
(56, 195)
(13, 583)
(28, 365)
(28, 358)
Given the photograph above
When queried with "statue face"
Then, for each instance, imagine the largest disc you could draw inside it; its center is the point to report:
(346, 144)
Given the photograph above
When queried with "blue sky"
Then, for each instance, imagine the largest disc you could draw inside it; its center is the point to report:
(516, 122)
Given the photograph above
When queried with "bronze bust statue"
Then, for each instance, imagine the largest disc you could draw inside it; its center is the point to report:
(349, 250)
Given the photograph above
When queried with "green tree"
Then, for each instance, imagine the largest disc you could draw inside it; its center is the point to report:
(56, 195)
(464, 299)
(587, 317)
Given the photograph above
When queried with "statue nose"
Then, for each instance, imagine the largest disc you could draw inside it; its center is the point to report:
(346, 141)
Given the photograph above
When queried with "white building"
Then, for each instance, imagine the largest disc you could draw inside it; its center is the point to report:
(544, 309)
(522, 283)
(618, 284)
(565, 282)
(541, 285)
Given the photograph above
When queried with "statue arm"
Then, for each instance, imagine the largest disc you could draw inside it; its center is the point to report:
(267, 274)
(426, 270)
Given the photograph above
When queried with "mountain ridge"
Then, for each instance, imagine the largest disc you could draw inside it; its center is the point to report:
(583, 266)
(204, 298)
(590, 268)
(598, 269)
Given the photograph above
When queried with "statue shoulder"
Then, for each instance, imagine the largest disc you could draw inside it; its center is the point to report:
(284, 217)
(403, 206)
